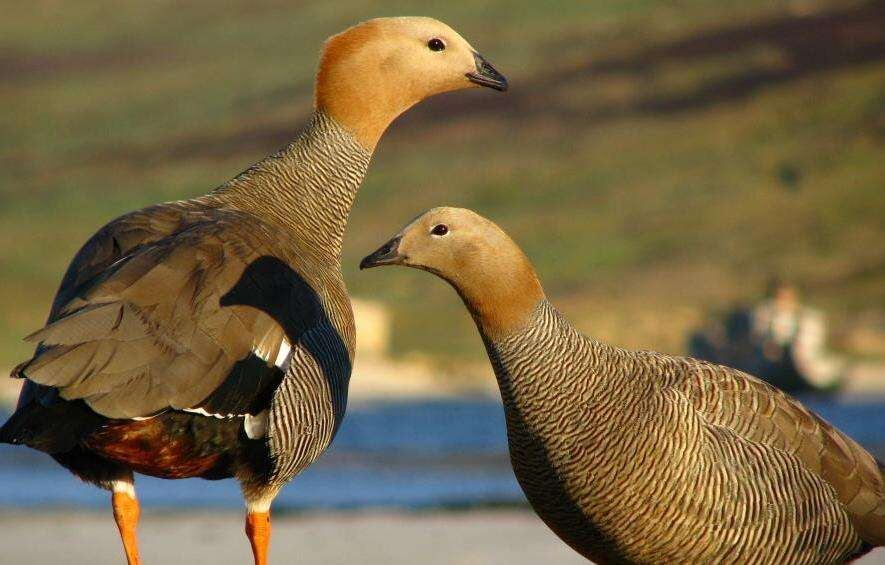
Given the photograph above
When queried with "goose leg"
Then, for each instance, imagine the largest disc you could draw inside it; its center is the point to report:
(258, 532)
(126, 513)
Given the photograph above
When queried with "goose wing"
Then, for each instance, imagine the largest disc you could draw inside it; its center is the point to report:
(759, 413)
(198, 319)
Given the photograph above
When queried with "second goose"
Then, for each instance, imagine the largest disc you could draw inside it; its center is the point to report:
(636, 456)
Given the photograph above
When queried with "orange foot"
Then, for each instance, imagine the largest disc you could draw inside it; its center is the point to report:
(126, 513)
(258, 532)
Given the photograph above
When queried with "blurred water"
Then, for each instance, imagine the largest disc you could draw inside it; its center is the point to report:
(411, 454)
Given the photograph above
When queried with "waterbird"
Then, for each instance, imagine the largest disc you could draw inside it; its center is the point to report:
(641, 457)
(214, 337)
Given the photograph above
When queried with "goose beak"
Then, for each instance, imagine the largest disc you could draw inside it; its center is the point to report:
(486, 74)
(387, 254)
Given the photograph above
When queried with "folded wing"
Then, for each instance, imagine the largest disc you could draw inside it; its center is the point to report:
(171, 323)
(766, 416)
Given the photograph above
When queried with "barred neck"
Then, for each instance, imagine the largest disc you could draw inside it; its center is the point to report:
(307, 187)
(547, 353)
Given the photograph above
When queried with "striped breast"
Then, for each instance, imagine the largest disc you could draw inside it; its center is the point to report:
(309, 405)
(614, 456)
(308, 187)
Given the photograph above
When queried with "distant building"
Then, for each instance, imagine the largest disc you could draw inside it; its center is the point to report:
(373, 323)
(378, 376)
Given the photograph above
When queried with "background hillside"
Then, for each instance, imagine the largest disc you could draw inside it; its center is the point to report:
(659, 160)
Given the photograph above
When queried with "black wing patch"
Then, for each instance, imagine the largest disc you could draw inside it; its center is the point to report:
(247, 389)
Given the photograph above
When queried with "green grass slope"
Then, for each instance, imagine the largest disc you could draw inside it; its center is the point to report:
(658, 160)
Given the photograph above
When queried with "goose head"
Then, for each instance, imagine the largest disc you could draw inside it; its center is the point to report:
(485, 266)
(373, 72)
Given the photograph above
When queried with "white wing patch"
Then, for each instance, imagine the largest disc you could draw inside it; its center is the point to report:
(282, 360)
(256, 426)
(283, 354)
(202, 412)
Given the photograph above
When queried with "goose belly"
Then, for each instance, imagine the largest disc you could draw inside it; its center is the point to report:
(669, 489)
(172, 445)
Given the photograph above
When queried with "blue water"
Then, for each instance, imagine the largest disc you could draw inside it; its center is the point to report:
(411, 454)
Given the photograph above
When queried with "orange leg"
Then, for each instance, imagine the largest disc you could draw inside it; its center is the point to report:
(258, 532)
(126, 512)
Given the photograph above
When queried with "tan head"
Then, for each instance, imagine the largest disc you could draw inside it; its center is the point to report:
(490, 272)
(374, 71)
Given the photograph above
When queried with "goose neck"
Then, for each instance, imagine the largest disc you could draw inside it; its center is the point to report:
(308, 187)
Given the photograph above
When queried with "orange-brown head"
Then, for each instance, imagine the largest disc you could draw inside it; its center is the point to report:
(488, 269)
(371, 73)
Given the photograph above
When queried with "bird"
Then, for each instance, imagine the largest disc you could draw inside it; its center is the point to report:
(641, 457)
(214, 337)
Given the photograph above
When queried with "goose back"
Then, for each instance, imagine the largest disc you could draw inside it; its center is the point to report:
(250, 270)
(640, 457)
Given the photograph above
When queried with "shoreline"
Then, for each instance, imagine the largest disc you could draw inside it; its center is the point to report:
(433, 537)
(515, 537)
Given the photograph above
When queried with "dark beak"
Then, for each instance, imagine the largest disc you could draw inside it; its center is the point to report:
(486, 74)
(387, 254)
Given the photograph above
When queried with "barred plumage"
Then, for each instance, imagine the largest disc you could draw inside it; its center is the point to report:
(624, 455)
(319, 173)
(640, 457)
(308, 188)
(214, 337)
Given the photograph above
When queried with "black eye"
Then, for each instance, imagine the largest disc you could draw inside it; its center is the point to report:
(440, 229)
(436, 44)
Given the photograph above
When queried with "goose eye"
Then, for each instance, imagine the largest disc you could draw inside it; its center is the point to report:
(440, 229)
(436, 44)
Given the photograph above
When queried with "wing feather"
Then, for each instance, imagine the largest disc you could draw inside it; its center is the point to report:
(762, 414)
(168, 323)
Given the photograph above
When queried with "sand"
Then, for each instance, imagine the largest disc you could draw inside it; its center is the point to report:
(479, 537)
(511, 537)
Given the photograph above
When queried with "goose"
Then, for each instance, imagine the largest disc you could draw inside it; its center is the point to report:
(214, 337)
(641, 457)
